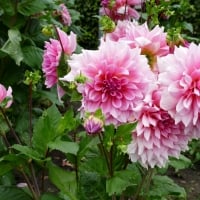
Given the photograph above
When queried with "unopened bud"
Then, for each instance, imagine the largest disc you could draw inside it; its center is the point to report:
(93, 125)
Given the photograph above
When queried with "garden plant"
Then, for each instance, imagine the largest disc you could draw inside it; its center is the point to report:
(102, 119)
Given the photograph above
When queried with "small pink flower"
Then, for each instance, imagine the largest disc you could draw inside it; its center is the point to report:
(115, 81)
(157, 137)
(153, 42)
(179, 77)
(5, 96)
(66, 18)
(52, 54)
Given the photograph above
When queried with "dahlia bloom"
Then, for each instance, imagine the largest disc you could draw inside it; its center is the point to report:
(115, 81)
(120, 9)
(52, 54)
(153, 43)
(179, 77)
(5, 96)
(66, 18)
(156, 137)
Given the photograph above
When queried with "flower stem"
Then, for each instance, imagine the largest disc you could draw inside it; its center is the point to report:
(105, 155)
(10, 127)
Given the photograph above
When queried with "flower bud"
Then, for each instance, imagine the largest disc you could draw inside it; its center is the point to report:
(93, 125)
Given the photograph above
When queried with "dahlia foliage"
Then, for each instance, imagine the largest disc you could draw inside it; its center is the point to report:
(133, 77)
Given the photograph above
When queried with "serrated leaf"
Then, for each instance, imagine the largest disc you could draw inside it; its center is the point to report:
(30, 7)
(64, 146)
(68, 121)
(29, 152)
(11, 192)
(63, 180)
(123, 133)
(121, 180)
(32, 56)
(45, 129)
(163, 186)
(181, 163)
(85, 144)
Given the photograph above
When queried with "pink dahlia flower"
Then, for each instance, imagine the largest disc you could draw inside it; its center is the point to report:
(115, 81)
(5, 96)
(51, 59)
(52, 53)
(157, 137)
(179, 77)
(153, 43)
(120, 9)
(66, 18)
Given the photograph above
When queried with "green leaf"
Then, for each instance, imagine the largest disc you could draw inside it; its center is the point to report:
(163, 186)
(121, 180)
(8, 7)
(30, 7)
(68, 121)
(48, 196)
(29, 152)
(12, 46)
(181, 163)
(45, 129)
(92, 186)
(9, 192)
(5, 167)
(32, 56)
(85, 144)
(64, 146)
(123, 135)
(64, 180)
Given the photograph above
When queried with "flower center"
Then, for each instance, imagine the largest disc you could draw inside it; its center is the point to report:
(112, 86)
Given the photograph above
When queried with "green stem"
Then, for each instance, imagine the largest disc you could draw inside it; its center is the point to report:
(35, 196)
(30, 114)
(138, 191)
(105, 155)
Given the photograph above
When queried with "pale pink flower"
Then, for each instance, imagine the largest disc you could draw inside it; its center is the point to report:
(179, 77)
(5, 96)
(117, 79)
(66, 18)
(65, 44)
(120, 9)
(157, 137)
(153, 43)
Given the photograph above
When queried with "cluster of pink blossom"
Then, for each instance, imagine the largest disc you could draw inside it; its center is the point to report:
(120, 9)
(5, 96)
(133, 76)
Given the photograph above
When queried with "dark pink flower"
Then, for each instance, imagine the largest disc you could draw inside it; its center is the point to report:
(120, 9)
(115, 81)
(5, 96)
(179, 77)
(53, 49)
(66, 18)
(157, 137)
